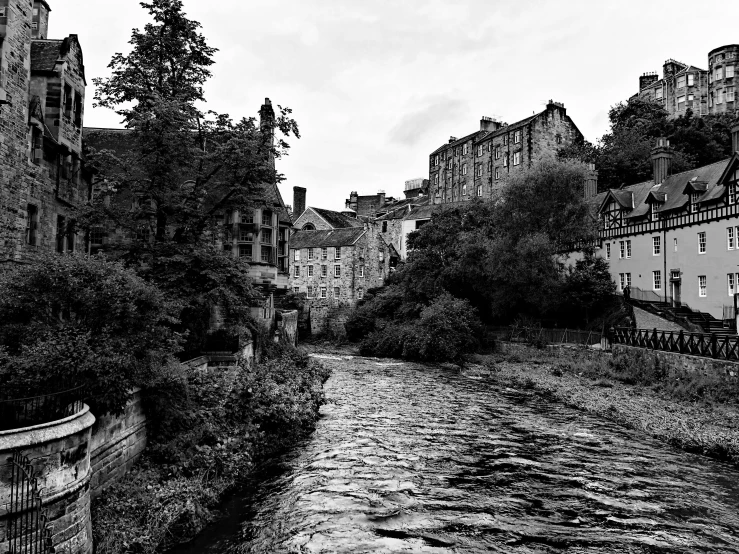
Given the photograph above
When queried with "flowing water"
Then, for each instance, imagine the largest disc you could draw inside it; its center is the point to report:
(408, 458)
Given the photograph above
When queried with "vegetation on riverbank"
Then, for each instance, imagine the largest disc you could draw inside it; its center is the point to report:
(695, 412)
(205, 439)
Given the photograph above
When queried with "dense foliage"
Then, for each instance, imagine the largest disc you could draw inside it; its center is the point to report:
(68, 321)
(494, 260)
(623, 155)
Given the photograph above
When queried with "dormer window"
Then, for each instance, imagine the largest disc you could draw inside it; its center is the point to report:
(612, 216)
(694, 207)
(655, 211)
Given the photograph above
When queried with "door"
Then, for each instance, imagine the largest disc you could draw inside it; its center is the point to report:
(676, 294)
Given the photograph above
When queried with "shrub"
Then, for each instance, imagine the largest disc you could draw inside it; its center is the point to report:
(73, 320)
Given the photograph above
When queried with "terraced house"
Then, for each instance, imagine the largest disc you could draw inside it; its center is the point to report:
(675, 238)
(42, 92)
(476, 165)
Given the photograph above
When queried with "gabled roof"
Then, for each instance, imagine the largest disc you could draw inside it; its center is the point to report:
(336, 220)
(674, 186)
(319, 239)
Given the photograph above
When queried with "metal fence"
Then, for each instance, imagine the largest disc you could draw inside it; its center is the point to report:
(546, 335)
(29, 530)
(695, 344)
(35, 410)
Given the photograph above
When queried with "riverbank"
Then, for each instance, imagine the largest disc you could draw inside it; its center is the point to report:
(683, 411)
(215, 429)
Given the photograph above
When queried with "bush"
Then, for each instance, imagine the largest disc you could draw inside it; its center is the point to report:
(78, 321)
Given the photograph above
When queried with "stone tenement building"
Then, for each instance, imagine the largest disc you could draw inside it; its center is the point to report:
(676, 236)
(683, 86)
(475, 166)
(42, 91)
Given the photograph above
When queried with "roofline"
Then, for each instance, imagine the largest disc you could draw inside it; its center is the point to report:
(722, 47)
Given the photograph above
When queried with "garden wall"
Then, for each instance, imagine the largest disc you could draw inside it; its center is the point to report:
(678, 363)
(116, 443)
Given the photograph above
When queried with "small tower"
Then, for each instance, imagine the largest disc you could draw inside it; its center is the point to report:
(40, 21)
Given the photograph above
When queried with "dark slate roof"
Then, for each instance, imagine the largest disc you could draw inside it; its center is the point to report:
(674, 185)
(457, 142)
(44, 54)
(318, 239)
(337, 220)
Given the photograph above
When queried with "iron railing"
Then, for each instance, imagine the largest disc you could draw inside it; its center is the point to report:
(29, 530)
(542, 334)
(695, 344)
(35, 410)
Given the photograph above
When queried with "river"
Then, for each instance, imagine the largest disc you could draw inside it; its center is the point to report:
(408, 458)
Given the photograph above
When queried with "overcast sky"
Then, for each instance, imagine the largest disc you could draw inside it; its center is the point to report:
(376, 85)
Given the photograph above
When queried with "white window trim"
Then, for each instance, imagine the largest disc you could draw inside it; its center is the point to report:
(656, 246)
(702, 286)
(702, 246)
(608, 251)
(657, 280)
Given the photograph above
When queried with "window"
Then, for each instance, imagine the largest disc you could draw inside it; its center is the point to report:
(720, 96)
(77, 109)
(479, 150)
(337, 292)
(516, 137)
(730, 282)
(694, 207)
(729, 71)
(436, 160)
(296, 290)
(67, 101)
(436, 179)
(297, 271)
(465, 148)
(71, 235)
(360, 293)
(732, 193)
(464, 190)
(702, 286)
(361, 271)
(464, 169)
(310, 292)
(730, 238)
(324, 253)
(658, 94)
(690, 97)
(384, 226)
(656, 246)
(245, 251)
(691, 79)
(324, 293)
(449, 164)
(608, 251)
(657, 280)
(702, 242)
(505, 140)
(97, 236)
(681, 81)
(479, 170)
(37, 145)
(311, 255)
(337, 271)
(505, 159)
(497, 152)
(621, 249)
(297, 255)
(516, 158)
(266, 236)
(324, 271)
(654, 213)
(246, 236)
(718, 74)
(60, 225)
(337, 253)
(621, 281)
(31, 224)
(628, 248)
(497, 173)
(479, 190)
(266, 254)
(680, 102)
(310, 271)
(247, 218)
(730, 94)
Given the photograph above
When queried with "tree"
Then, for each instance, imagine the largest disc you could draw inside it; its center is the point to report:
(588, 285)
(160, 184)
(79, 321)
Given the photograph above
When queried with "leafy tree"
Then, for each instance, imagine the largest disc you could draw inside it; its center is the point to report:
(79, 321)
(588, 286)
(161, 183)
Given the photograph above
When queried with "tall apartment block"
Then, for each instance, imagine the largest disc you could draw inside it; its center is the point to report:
(475, 166)
(684, 86)
(42, 91)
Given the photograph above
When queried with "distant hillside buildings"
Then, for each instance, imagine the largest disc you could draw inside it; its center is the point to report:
(684, 86)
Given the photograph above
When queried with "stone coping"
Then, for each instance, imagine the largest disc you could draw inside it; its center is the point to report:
(47, 432)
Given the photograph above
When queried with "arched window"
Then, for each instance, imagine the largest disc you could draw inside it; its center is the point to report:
(309, 227)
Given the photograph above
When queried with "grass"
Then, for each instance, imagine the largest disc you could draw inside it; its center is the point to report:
(691, 410)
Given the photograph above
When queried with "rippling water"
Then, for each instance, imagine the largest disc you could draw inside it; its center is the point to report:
(412, 459)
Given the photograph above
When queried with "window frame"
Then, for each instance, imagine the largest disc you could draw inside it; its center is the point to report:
(730, 238)
(608, 251)
(657, 279)
(702, 286)
(702, 243)
(656, 245)
(517, 158)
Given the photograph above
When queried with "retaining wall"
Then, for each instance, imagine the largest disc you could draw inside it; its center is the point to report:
(60, 454)
(677, 363)
(116, 443)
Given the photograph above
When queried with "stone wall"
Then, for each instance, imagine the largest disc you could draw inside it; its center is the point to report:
(287, 327)
(60, 455)
(681, 363)
(116, 443)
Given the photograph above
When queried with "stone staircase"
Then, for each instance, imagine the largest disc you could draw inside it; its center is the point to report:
(683, 315)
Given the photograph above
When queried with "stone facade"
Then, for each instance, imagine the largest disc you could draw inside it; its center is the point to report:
(686, 87)
(318, 219)
(477, 165)
(42, 178)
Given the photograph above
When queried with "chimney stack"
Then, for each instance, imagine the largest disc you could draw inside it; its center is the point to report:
(298, 201)
(735, 136)
(266, 126)
(353, 202)
(647, 79)
(662, 156)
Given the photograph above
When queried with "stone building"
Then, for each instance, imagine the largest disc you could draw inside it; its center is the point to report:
(476, 165)
(42, 91)
(319, 219)
(675, 238)
(685, 86)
